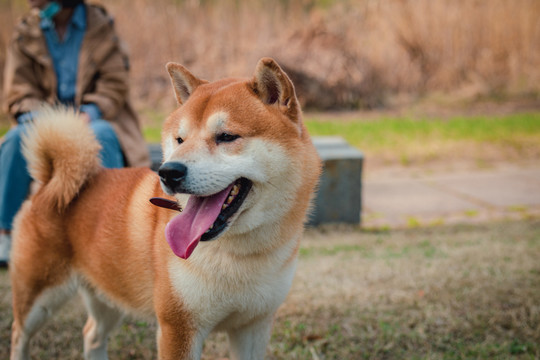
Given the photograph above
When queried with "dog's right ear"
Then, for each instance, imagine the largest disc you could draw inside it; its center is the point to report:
(183, 82)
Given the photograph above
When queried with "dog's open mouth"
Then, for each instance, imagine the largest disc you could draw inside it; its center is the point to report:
(204, 218)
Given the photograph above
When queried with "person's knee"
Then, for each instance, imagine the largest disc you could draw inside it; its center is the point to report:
(103, 130)
(111, 153)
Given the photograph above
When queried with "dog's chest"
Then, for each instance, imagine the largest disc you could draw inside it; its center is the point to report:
(231, 294)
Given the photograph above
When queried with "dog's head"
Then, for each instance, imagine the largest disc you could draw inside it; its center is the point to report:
(239, 148)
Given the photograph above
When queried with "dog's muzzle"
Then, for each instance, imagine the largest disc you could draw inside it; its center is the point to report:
(172, 174)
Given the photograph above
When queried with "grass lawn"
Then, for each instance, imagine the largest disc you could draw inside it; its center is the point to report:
(406, 140)
(449, 292)
(383, 133)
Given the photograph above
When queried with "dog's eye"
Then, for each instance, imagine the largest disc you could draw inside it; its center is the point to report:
(224, 137)
(179, 140)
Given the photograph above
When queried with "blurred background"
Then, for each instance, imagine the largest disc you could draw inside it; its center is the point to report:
(406, 81)
(356, 64)
(443, 99)
(361, 54)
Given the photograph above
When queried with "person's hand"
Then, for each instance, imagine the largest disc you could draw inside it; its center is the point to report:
(85, 117)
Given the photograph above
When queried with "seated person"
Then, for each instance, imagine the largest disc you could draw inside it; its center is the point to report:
(65, 52)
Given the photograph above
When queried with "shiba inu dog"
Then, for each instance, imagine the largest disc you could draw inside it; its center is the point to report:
(240, 167)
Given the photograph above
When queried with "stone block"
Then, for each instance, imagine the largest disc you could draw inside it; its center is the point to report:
(156, 156)
(339, 196)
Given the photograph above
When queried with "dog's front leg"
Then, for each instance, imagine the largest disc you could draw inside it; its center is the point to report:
(175, 343)
(249, 342)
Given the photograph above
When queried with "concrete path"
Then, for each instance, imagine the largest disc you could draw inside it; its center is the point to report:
(465, 196)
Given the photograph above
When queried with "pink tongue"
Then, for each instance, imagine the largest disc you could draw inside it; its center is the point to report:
(184, 231)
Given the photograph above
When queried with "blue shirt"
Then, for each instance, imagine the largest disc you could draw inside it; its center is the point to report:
(65, 57)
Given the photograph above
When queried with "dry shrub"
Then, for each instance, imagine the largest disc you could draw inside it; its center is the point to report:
(340, 54)
(492, 43)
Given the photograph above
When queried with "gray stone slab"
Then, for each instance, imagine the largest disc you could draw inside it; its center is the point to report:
(156, 156)
(335, 148)
(399, 199)
(470, 196)
(520, 187)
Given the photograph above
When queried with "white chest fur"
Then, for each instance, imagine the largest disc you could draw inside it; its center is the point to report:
(226, 292)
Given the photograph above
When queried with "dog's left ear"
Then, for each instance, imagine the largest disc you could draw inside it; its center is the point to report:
(273, 87)
(184, 83)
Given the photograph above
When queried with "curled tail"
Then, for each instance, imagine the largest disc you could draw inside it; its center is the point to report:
(62, 154)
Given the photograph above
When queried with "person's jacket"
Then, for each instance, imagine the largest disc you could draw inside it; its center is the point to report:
(102, 78)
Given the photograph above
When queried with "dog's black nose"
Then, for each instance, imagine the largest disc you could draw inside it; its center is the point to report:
(172, 174)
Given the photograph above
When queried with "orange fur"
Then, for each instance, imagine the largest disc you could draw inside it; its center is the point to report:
(93, 229)
(73, 162)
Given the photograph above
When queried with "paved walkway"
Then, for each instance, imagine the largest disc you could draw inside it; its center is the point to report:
(466, 196)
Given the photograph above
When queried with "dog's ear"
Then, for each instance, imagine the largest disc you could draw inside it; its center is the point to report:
(183, 82)
(273, 87)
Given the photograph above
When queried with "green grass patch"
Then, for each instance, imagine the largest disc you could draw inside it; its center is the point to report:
(152, 134)
(394, 133)
(413, 222)
(3, 129)
(471, 213)
(332, 250)
(153, 122)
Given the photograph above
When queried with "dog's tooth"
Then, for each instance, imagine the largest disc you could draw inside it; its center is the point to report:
(230, 199)
(235, 190)
(224, 206)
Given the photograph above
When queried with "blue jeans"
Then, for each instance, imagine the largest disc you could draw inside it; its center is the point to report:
(15, 179)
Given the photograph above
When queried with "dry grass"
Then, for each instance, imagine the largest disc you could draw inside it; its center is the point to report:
(456, 292)
(341, 54)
